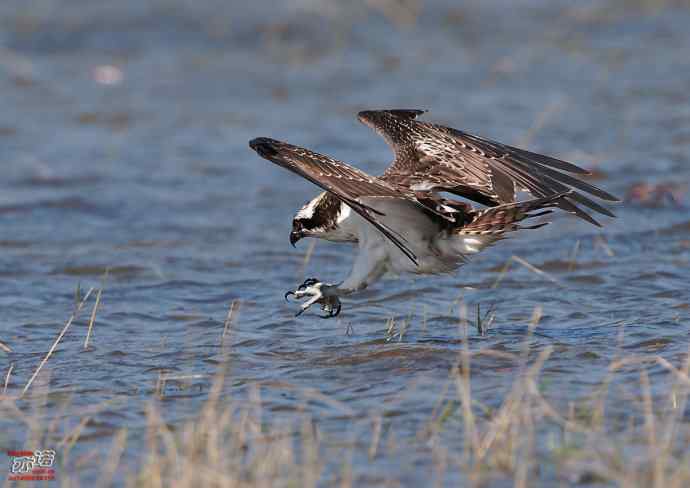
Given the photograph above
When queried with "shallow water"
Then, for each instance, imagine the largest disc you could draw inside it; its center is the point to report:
(152, 178)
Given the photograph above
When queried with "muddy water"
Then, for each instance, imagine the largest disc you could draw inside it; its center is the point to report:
(144, 169)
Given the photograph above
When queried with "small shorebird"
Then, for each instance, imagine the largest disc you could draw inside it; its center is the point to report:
(400, 221)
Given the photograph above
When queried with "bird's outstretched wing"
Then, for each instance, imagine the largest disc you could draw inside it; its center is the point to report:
(432, 157)
(344, 181)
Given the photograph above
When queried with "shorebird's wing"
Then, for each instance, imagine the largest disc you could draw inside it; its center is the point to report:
(432, 157)
(342, 180)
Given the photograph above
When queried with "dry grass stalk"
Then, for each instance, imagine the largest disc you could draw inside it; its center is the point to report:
(240, 444)
(540, 122)
(536, 270)
(506, 267)
(463, 385)
(573, 256)
(484, 323)
(231, 317)
(74, 315)
(92, 320)
(68, 441)
(390, 328)
(236, 445)
(375, 436)
(307, 255)
(112, 463)
(7, 379)
(502, 273)
(600, 241)
(159, 389)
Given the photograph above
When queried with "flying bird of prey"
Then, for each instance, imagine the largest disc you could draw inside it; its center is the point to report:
(401, 222)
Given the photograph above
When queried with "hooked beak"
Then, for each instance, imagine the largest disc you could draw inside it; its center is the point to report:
(295, 236)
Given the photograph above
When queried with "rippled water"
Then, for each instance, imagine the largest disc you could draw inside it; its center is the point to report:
(152, 178)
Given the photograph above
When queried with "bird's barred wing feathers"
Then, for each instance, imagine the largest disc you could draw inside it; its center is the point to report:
(432, 156)
(344, 181)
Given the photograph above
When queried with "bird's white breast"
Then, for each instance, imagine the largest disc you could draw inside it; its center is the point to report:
(417, 231)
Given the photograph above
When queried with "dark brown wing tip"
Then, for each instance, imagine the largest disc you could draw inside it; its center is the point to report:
(571, 208)
(264, 146)
(403, 113)
(566, 201)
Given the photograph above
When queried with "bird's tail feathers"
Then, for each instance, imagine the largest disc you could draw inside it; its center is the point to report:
(496, 221)
(492, 224)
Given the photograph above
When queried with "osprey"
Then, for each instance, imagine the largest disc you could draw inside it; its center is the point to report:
(401, 222)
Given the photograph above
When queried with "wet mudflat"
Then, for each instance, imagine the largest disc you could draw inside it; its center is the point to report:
(124, 134)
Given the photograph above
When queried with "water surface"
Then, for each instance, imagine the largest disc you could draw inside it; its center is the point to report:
(151, 177)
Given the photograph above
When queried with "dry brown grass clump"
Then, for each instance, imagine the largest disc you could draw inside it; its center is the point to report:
(528, 438)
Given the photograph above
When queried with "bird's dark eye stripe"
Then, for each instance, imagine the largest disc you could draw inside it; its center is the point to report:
(325, 213)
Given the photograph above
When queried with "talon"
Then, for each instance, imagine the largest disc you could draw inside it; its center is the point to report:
(312, 288)
(328, 307)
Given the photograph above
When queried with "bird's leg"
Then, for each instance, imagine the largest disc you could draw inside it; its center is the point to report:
(317, 292)
(369, 265)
